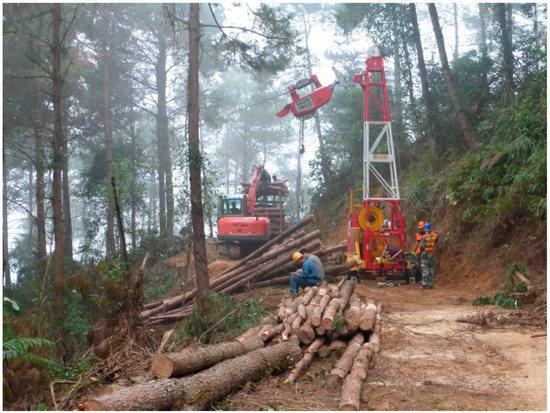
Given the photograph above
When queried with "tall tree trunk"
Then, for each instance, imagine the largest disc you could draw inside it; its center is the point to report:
(57, 155)
(463, 121)
(236, 176)
(506, 48)
(30, 191)
(40, 194)
(165, 173)
(409, 83)
(484, 53)
(195, 158)
(67, 202)
(133, 189)
(108, 130)
(299, 176)
(426, 95)
(455, 16)
(227, 175)
(5, 252)
(398, 100)
(325, 159)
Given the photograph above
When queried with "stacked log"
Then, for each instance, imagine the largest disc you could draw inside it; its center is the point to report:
(199, 391)
(309, 325)
(271, 264)
(337, 320)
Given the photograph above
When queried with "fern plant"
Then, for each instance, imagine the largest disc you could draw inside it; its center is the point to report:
(20, 348)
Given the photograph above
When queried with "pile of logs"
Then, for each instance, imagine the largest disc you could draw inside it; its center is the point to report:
(333, 318)
(323, 320)
(269, 265)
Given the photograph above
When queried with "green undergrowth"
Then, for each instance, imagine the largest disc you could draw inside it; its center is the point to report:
(225, 315)
(502, 182)
(505, 298)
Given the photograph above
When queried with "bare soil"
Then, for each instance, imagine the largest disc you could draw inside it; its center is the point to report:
(428, 361)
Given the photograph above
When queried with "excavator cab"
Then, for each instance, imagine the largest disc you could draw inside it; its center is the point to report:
(231, 205)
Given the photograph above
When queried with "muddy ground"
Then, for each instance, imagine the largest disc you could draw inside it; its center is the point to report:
(427, 361)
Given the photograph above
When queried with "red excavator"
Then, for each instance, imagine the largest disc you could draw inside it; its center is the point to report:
(248, 220)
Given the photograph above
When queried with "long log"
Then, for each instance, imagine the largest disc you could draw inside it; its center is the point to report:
(229, 285)
(269, 333)
(345, 362)
(225, 275)
(353, 383)
(270, 282)
(374, 338)
(306, 334)
(266, 246)
(269, 267)
(345, 293)
(270, 255)
(199, 391)
(191, 360)
(306, 360)
(330, 313)
(317, 315)
(353, 314)
(368, 318)
(322, 253)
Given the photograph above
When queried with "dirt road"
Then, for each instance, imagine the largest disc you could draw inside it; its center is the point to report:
(427, 362)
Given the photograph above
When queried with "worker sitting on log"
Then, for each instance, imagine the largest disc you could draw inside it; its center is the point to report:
(311, 273)
(427, 249)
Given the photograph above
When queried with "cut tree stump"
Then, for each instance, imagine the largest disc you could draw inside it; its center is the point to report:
(191, 360)
(199, 391)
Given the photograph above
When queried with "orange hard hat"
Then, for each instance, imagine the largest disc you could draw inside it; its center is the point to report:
(421, 224)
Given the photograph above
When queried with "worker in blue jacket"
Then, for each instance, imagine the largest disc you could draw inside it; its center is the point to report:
(311, 273)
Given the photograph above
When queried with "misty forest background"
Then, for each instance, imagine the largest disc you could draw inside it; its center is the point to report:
(96, 91)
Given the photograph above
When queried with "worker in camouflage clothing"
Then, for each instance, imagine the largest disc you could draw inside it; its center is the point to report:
(427, 254)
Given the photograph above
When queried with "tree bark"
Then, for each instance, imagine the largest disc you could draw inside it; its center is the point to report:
(199, 391)
(506, 49)
(57, 155)
(166, 211)
(191, 360)
(41, 253)
(317, 315)
(353, 383)
(455, 16)
(67, 201)
(484, 52)
(463, 121)
(368, 317)
(409, 83)
(108, 130)
(195, 157)
(5, 253)
(345, 362)
(133, 189)
(330, 313)
(398, 101)
(426, 95)
(306, 360)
